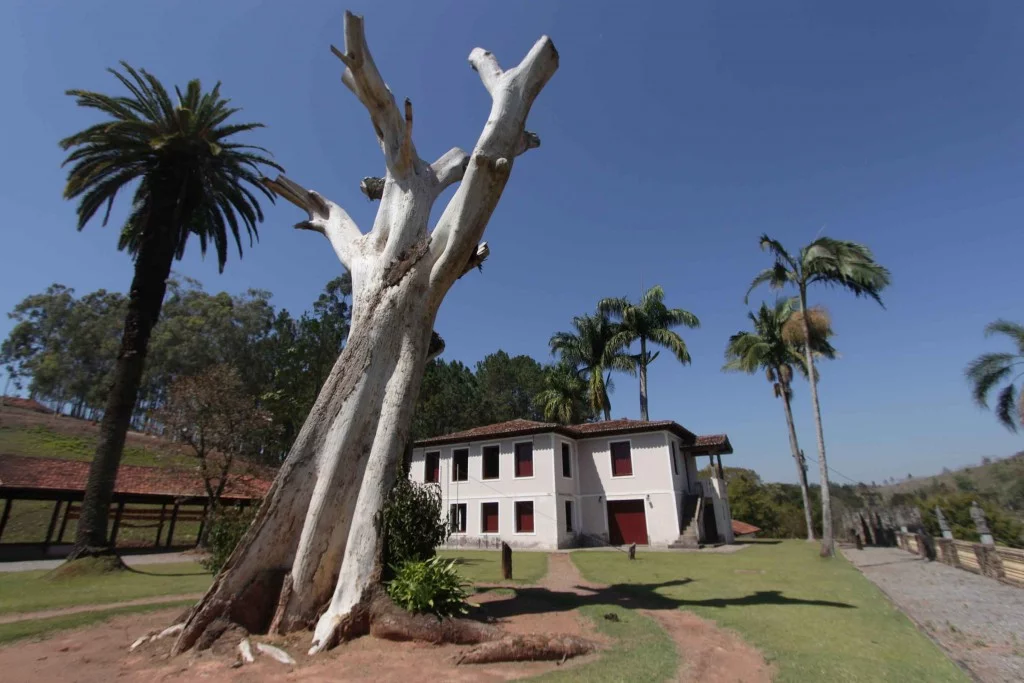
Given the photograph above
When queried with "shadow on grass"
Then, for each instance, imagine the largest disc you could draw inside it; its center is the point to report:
(629, 596)
(755, 541)
(134, 570)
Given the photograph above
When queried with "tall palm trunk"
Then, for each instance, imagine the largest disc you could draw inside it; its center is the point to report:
(643, 379)
(152, 268)
(800, 465)
(827, 541)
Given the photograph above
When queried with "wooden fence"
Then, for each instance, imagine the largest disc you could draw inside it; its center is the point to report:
(995, 561)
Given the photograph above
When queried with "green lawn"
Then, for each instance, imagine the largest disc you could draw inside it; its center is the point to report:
(41, 627)
(812, 619)
(32, 591)
(642, 651)
(484, 566)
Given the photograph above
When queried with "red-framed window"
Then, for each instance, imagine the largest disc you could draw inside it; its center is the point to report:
(489, 518)
(524, 459)
(432, 473)
(524, 516)
(460, 464)
(622, 461)
(492, 462)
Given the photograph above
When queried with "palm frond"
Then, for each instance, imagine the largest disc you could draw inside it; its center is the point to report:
(777, 277)
(1014, 331)
(849, 265)
(1006, 406)
(193, 177)
(988, 370)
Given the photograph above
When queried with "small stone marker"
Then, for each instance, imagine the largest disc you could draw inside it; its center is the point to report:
(981, 524)
(943, 524)
(506, 561)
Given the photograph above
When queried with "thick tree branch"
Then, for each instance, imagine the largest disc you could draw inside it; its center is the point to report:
(361, 77)
(450, 168)
(325, 217)
(486, 64)
(462, 223)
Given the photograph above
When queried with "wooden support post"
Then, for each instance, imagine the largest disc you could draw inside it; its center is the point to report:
(632, 551)
(160, 526)
(64, 523)
(53, 522)
(202, 525)
(5, 517)
(174, 519)
(117, 524)
(720, 475)
(506, 561)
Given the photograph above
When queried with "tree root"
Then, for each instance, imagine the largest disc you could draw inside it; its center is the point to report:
(391, 622)
(528, 647)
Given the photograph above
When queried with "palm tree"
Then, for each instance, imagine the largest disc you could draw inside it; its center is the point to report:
(990, 369)
(767, 349)
(589, 351)
(564, 398)
(834, 263)
(191, 179)
(649, 321)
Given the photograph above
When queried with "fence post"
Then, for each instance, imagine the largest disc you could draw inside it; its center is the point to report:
(506, 561)
(117, 524)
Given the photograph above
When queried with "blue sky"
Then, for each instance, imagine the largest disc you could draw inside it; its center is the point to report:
(673, 135)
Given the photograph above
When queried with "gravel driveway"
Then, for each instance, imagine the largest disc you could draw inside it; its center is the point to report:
(977, 620)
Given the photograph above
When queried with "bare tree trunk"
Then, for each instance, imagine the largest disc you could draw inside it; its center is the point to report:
(311, 558)
(643, 379)
(801, 465)
(827, 541)
(152, 268)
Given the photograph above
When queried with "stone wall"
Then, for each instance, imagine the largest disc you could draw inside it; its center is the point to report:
(995, 561)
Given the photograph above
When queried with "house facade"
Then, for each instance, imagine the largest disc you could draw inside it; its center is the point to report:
(547, 486)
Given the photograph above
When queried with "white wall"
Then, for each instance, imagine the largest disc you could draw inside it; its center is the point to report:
(652, 481)
(504, 490)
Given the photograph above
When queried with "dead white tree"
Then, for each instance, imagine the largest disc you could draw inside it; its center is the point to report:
(311, 557)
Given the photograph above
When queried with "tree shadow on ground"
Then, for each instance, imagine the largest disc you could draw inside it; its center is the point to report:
(135, 570)
(534, 600)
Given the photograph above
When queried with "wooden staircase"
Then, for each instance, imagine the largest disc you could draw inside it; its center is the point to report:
(690, 521)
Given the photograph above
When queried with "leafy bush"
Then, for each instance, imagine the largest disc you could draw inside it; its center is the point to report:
(432, 586)
(413, 522)
(227, 526)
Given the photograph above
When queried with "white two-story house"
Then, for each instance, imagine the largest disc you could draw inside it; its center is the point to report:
(544, 485)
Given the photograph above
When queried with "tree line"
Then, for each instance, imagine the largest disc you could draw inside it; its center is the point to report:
(63, 350)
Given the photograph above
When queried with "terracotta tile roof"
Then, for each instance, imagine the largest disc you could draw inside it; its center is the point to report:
(50, 474)
(742, 528)
(710, 443)
(24, 403)
(510, 428)
(717, 443)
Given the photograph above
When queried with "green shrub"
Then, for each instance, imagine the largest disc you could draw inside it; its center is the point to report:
(227, 526)
(413, 522)
(432, 586)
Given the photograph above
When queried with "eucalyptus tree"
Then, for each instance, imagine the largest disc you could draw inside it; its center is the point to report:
(191, 178)
(766, 349)
(649, 320)
(832, 263)
(989, 370)
(317, 529)
(589, 350)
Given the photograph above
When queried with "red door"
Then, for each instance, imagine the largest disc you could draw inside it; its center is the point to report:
(627, 522)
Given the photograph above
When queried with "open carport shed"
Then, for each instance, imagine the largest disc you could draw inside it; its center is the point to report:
(180, 496)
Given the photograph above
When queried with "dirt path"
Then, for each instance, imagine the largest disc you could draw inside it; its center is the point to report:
(708, 654)
(63, 611)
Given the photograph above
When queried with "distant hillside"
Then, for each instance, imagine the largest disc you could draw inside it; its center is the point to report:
(30, 433)
(1001, 481)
